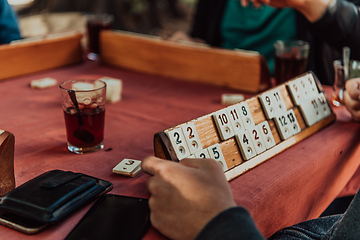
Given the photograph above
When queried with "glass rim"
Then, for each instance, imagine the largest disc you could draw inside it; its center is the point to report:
(292, 43)
(339, 63)
(82, 80)
(99, 16)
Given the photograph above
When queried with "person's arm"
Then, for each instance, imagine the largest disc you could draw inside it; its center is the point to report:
(193, 198)
(313, 10)
(352, 98)
(337, 22)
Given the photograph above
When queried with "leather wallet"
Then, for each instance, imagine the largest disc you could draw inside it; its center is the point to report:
(52, 195)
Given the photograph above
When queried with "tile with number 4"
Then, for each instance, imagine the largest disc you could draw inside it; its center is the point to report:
(191, 137)
(223, 124)
(216, 153)
(178, 142)
(267, 135)
(246, 145)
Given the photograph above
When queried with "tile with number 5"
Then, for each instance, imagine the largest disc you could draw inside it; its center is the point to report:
(216, 153)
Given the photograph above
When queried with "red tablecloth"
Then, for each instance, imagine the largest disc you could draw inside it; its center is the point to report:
(294, 186)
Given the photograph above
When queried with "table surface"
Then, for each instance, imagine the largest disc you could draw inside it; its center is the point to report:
(296, 185)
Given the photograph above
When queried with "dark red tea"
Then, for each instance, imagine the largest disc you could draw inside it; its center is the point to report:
(288, 66)
(93, 119)
(94, 27)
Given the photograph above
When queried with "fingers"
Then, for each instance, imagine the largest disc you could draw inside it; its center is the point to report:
(151, 165)
(352, 87)
(352, 105)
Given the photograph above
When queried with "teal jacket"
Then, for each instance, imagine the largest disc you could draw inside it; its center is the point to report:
(9, 29)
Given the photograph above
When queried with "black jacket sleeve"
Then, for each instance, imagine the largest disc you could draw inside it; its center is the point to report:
(233, 223)
(340, 26)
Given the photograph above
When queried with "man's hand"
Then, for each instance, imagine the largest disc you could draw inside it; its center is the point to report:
(352, 97)
(185, 196)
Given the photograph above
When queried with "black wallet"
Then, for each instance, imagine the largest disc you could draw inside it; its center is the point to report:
(48, 198)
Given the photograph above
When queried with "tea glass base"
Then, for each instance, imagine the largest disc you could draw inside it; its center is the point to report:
(78, 150)
(93, 56)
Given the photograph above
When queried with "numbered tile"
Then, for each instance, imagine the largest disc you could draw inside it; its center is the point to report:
(246, 146)
(257, 139)
(310, 111)
(311, 85)
(283, 126)
(128, 167)
(295, 127)
(279, 101)
(216, 153)
(269, 105)
(295, 92)
(245, 115)
(235, 119)
(267, 135)
(204, 153)
(303, 86)
(191, 137)
(223, 124)
(178, 142)
(325, 109)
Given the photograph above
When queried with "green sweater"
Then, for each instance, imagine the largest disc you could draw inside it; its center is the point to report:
(256, 29)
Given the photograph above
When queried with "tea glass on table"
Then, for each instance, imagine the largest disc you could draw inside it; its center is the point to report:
(95, 23)
(340, 80)
(291, 58)
(83, 103)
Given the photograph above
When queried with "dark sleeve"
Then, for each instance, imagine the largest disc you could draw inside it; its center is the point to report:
(233, 223)
(340, 26)
(9, 29)
(207, 20)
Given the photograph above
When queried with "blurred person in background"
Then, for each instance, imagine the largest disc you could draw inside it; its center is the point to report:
(328, 25)
(9, 29)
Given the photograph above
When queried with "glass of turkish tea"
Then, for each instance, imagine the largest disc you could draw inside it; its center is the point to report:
(340, 79)
(290, 59)
(95, 23)
(83, 103)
